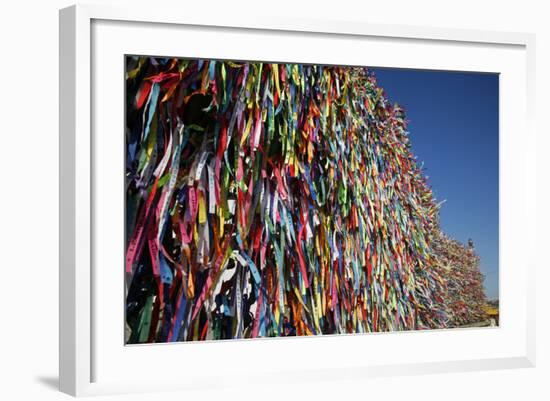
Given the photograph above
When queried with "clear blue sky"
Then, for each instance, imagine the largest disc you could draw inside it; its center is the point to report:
(453, 125)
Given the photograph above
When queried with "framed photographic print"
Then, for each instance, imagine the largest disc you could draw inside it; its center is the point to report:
(332, 198)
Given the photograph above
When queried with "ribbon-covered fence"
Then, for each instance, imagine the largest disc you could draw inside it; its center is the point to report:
(268, 199)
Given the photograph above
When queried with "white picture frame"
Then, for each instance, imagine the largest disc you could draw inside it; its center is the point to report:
(91, 361)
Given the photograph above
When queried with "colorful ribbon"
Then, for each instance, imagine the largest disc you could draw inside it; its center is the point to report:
(278, 199)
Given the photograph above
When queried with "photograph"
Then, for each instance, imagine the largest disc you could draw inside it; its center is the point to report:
(272, 199)
(296, 200)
